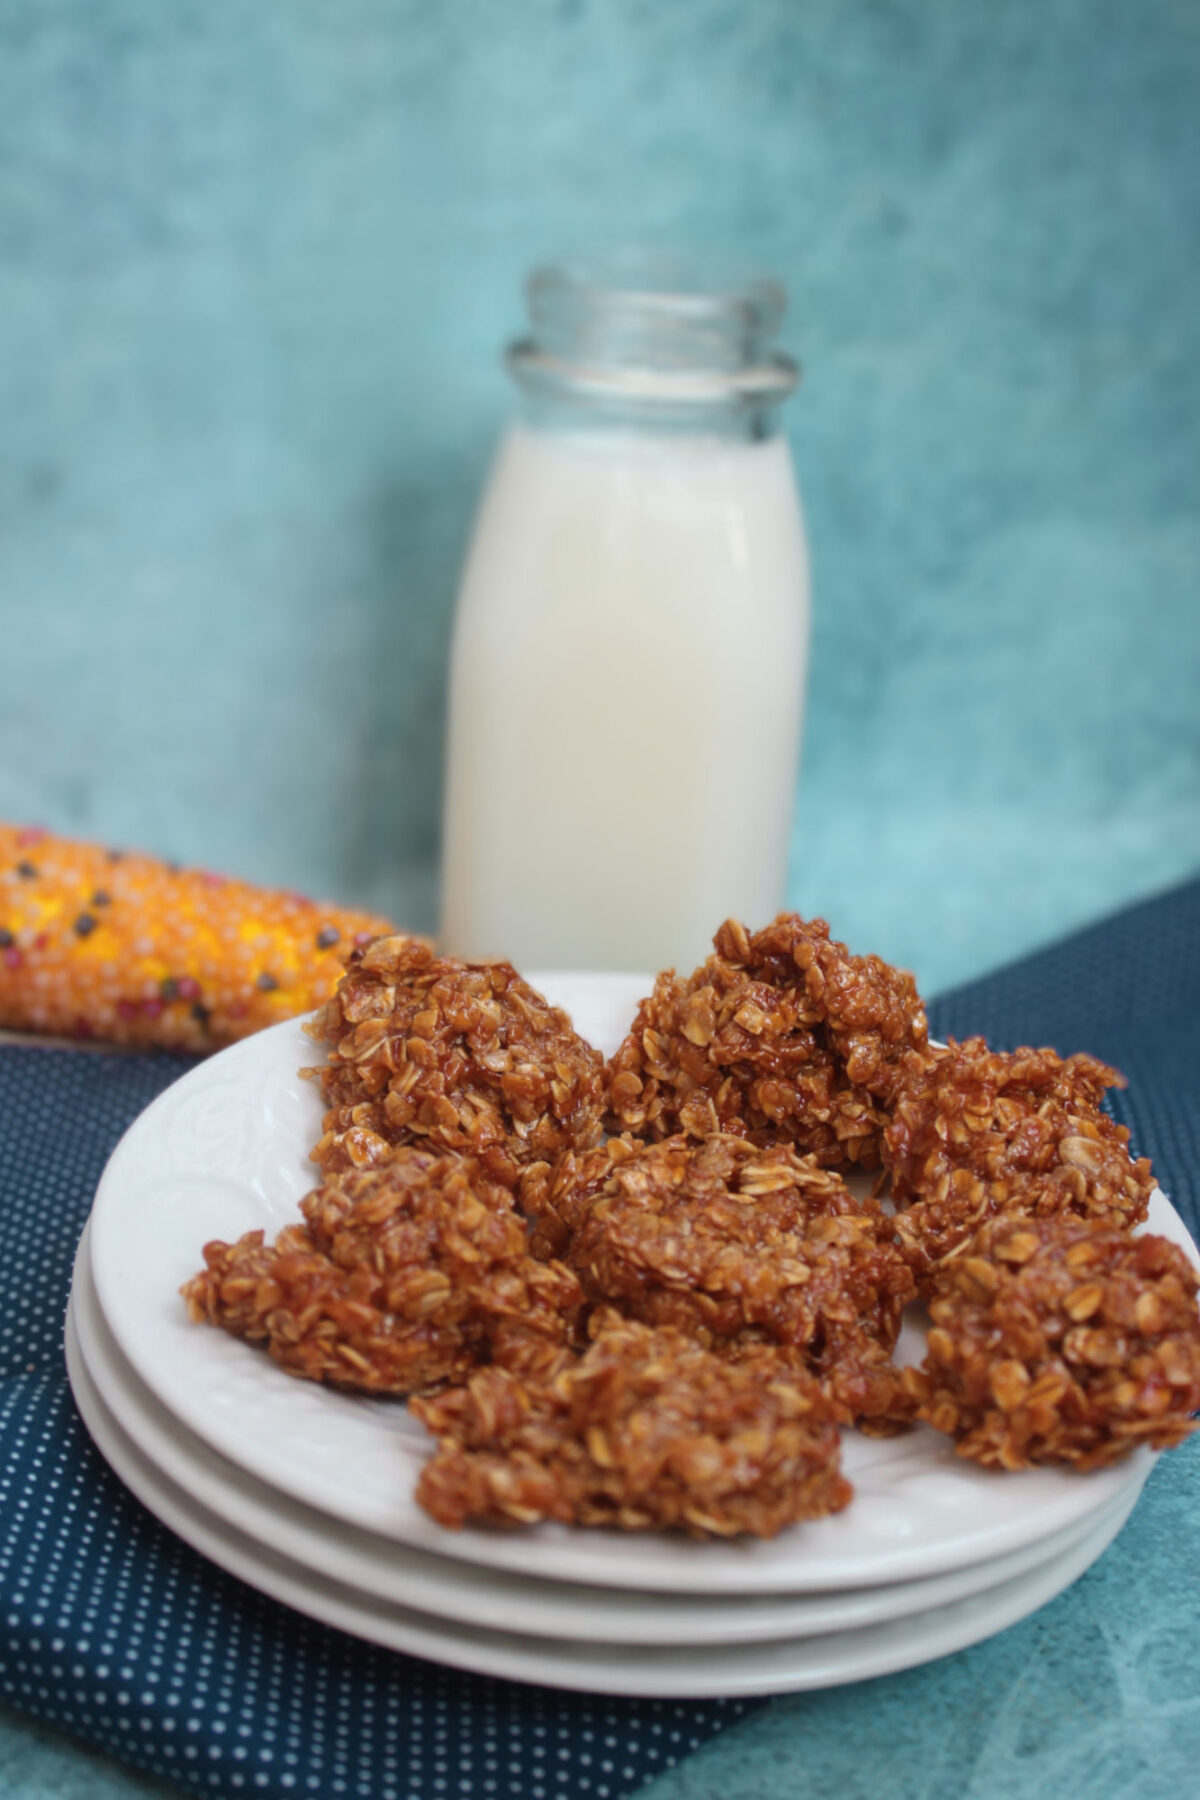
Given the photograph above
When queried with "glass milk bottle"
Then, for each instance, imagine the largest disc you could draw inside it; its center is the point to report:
(631, 638)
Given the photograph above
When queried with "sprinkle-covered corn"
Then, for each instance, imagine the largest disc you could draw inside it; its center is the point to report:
(109, 944)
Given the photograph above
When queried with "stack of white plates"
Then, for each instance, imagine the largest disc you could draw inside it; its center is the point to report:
(307, 1494)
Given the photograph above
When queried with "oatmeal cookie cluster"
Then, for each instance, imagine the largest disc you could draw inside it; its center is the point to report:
(465, 1057)
(1058, 1340)
(732, 1244)
(975, 1132)
(780, 1037)
(640, 1293)
(401, 1276)
(647, 1428)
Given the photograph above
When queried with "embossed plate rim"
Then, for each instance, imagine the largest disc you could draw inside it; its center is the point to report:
(492, 1598)
(789, 1665)
(919, 1510)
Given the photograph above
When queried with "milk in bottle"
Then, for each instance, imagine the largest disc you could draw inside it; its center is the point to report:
(630, 643)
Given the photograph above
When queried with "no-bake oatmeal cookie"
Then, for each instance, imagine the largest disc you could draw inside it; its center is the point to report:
(647, 1429)
(399, 1277)
(781, 1036)
(974, 1132)
(457, 1056)
(1057, 1340)
(665, 1327)
(726, 1240)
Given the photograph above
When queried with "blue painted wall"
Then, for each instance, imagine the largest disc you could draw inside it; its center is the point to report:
(256, 264)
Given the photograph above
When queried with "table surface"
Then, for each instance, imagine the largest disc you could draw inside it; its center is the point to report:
(1095, 1693)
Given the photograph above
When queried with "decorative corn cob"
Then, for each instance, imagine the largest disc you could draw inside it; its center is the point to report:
(110, 944)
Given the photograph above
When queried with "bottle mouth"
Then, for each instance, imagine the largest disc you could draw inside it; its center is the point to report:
(654, 326)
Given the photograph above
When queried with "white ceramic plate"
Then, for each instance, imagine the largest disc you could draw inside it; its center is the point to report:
(784, 1666)
(225, 1150)
(491, 1598)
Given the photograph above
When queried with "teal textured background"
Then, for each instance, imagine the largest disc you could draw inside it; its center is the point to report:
(257, 265)
(1088, 1699)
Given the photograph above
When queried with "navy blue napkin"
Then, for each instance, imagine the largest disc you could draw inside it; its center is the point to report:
(115, 1631)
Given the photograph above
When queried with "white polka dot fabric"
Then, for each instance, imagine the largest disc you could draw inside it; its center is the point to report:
(114, 1630)
(117, 1632)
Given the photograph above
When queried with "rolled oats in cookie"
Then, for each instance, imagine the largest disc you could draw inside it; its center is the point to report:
(646, 1430)
(726, 1240)
(555, 1196)
(781, 1036)
(1055, 1340)
(975, 1132)
(401, 1276)
(456, 1056)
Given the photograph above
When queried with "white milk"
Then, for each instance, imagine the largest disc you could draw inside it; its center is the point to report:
(626, 693)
